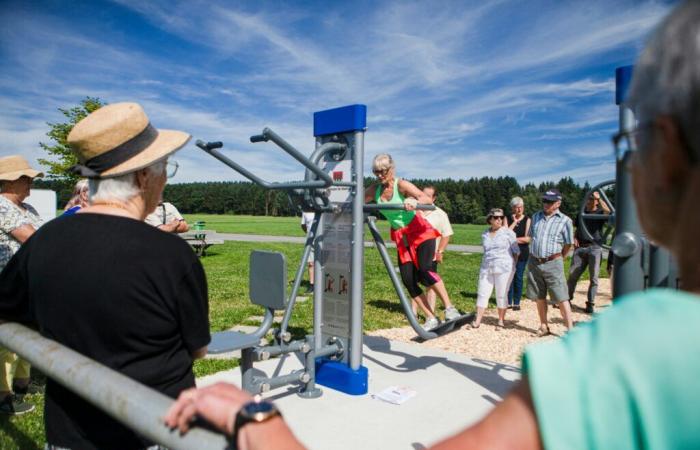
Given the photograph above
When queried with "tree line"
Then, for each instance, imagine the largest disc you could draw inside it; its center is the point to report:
(465, 201)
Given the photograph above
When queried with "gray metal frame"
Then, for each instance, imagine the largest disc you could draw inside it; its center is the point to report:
(311, 194)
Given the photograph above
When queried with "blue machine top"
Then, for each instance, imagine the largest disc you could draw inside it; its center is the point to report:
(340, 120)
(623, 77)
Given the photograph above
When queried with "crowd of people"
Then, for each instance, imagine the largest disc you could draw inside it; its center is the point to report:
(137, 302)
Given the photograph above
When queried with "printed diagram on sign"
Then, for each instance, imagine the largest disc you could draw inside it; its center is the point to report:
(343, 288)
(336, 301)
(329, 283)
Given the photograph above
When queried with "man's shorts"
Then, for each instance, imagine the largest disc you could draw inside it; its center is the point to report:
(548, 277)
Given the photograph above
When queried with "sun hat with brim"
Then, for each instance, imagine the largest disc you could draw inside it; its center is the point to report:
(494, 212)
(118, 139)
(14, 166)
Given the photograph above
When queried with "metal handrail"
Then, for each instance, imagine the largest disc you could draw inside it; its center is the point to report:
(211, 148)
(127, 401)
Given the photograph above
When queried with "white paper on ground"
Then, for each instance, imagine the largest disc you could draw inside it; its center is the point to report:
(395, 394)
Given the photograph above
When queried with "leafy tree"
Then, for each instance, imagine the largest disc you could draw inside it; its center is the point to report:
(58, 169)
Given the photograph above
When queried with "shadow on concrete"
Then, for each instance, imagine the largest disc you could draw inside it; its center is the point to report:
(487, 374)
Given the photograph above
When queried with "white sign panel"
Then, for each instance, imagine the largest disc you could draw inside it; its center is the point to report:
(44, 201)
(337, 230)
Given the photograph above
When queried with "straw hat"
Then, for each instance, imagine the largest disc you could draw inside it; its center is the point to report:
(14, 166)
(118, 139)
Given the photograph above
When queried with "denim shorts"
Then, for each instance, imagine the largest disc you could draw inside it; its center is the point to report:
(547, 277)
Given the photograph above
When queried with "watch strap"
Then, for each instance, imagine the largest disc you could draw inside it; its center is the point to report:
(242, 419)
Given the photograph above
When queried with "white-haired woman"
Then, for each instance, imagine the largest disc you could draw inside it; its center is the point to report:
(18, 221)
(78, 199)
(108, 285)
(500, 253)
(413, 235)
(520, 224)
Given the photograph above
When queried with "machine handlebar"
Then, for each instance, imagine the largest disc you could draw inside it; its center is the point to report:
(370, 207)
(258, 138)
(209, 145)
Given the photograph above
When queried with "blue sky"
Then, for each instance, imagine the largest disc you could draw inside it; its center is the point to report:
(453, 89)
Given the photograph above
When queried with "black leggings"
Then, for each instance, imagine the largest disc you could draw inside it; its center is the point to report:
(424, 273)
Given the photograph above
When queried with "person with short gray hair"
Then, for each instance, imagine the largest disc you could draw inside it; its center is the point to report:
(552, 235)
(520, 224)
(413, 235)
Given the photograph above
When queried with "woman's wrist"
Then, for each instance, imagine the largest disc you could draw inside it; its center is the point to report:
(272, 433)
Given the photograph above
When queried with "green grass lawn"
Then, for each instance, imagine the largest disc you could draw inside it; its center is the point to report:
(290, 226)
(227, 272)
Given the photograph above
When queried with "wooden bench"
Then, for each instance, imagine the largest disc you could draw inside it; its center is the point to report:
(201, 240)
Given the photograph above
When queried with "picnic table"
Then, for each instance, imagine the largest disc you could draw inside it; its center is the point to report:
(201, 240)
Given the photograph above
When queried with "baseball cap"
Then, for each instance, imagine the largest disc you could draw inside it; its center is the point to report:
(552, 195)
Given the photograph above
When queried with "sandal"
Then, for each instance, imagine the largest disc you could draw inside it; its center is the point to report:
(474, 327)
(500, 326)
(543, 331)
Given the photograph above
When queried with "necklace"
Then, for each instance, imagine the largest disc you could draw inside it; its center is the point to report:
(112, 204)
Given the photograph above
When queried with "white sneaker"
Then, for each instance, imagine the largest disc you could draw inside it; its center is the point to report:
(451, 313)
(431, 323)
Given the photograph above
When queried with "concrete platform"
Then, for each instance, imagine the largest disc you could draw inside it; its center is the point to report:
(453, 391)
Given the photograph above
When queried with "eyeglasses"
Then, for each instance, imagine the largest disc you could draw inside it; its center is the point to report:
(625, 141)
(381, 173)
(171, 168)
(628, 141)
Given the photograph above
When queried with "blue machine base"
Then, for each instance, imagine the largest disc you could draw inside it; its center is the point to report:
(341, 377)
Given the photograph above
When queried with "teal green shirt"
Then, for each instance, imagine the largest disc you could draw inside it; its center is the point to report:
(630, 379)
(398, 218)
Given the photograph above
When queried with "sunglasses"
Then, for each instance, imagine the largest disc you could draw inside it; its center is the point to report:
(381, 172)
(497, 217)
(548, 202)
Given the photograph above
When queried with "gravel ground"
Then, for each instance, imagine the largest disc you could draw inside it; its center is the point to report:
(507, 345)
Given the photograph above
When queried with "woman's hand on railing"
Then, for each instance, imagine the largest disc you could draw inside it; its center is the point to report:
(217, 404)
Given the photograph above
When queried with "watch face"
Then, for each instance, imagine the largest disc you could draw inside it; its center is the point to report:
(251, 409)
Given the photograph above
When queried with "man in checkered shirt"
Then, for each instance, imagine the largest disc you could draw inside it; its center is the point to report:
(552, 234)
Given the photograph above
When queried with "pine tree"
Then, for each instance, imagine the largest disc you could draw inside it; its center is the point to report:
(58, 169)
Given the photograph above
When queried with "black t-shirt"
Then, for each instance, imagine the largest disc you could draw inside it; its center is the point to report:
(519, 231)
(116, 290)
(594, 226)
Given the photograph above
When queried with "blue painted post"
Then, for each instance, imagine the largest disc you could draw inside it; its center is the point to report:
(627, 245)
(341, 305)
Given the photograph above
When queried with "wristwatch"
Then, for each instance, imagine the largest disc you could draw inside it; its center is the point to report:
(257, 411)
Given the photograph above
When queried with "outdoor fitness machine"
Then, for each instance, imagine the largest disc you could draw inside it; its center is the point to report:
(333, 189)
(638, 263)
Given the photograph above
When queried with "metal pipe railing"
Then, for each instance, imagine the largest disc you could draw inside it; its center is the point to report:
(373, 207)
(323, 182)
(268, 134)
(310, 237)
(127, 401)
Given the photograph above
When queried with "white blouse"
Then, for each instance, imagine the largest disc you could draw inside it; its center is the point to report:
(499, 250)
